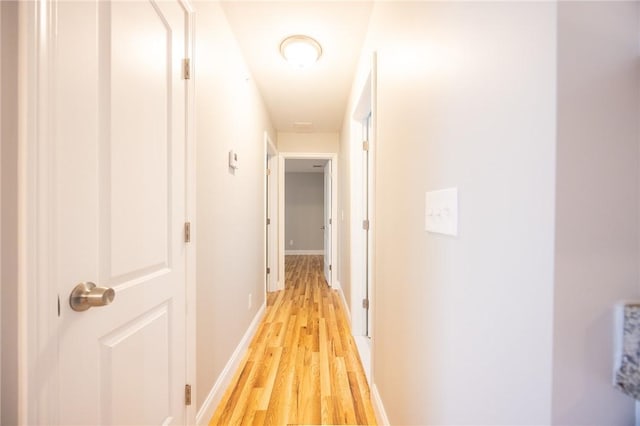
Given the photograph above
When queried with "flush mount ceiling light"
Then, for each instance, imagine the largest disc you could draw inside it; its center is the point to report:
(300, 50)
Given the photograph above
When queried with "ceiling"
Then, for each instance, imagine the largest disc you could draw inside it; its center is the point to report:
(317, 94)
(304, 166)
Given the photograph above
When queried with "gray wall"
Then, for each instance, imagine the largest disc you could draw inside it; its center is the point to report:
(304, 211)
(596, 205)
(9, 217)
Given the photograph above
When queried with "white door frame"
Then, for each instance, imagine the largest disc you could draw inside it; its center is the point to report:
(333, 159)
(37, 298)
(365, 103)
(271, 257)
(327, 222)
(358, 249)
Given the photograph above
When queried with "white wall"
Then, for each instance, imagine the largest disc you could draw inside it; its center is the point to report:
(304, 211)
(466, 98)
(9, 217)
(596, 205)
(230, 205)
(308, 142)
(344, 209)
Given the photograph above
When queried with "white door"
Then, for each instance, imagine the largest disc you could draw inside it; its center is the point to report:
(119, 193)
(327, 222)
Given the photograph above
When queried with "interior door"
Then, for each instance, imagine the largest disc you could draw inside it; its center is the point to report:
(119, 187)
(327, 222)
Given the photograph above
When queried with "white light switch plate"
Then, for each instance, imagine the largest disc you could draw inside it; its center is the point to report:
(441, 211)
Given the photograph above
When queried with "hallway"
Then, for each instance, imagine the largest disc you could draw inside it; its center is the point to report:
(302, 366)
(484, 217)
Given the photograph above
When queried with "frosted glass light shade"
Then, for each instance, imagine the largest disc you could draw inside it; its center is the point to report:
(300, 51)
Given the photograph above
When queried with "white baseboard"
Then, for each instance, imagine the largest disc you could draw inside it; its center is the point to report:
(275, 286)
(345, 305)
(336, 285)
(381, 414)
(220, 386)
(363, 345)
(303, 252)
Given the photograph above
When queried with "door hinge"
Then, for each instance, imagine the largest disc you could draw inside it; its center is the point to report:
(365, 146)
(268, 270)
(187, 394)
(58, 306)
(187, 232)
(365, 224)
(329, 267)
(268, 172)
(268, 221)
(365, 303)
(330, 221)
(186, 69)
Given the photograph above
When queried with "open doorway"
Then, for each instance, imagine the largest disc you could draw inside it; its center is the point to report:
(308, 206)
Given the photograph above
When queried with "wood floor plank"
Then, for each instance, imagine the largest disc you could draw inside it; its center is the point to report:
(271, 378)
(302, 366)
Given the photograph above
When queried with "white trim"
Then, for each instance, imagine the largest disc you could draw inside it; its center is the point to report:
(270, 155)
(373, 167)
(220, 386)
(365, 101)
(38, 372)
(378, 407)
(363, 345)
(345, 305)
(303, 252)
(333, 158)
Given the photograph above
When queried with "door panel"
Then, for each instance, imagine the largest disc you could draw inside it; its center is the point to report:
(120, 194)
(133, 396)
(137, 139)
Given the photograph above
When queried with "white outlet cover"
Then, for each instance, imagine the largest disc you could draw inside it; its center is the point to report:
(441, 211)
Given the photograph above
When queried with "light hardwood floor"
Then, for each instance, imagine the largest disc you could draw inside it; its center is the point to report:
(302, 366)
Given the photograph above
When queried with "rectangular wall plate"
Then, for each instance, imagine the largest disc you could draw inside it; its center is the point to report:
(441, 211)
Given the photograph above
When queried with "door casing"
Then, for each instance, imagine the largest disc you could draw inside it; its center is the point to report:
(333, 159)
(271, 211)
(361, 268)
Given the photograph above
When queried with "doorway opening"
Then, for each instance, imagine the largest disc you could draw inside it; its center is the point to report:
(308, 205)
(362, 183)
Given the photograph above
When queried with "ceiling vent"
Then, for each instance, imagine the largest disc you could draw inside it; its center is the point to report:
(303, 126)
